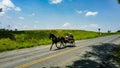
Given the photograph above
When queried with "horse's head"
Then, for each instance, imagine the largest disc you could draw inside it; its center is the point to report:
(51, 35)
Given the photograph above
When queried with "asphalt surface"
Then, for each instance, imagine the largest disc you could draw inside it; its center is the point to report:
(67, 57)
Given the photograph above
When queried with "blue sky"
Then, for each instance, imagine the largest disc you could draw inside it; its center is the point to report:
(60, 14)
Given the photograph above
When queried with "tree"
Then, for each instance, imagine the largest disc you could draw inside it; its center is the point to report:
(109, 31)
(16, 30)
(118, 31)
(119, 1)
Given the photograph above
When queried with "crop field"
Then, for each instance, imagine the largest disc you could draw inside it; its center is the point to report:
(11, 40)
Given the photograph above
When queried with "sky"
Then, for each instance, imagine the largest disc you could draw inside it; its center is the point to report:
(60, 14)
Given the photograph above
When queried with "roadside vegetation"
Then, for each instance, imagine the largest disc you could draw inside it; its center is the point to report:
(11, 40)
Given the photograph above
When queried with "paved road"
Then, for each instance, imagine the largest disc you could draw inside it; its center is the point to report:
(68, 57)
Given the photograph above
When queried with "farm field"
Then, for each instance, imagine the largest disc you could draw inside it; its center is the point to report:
(11, 40)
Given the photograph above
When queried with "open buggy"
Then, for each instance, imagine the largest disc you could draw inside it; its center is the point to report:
(67, 41)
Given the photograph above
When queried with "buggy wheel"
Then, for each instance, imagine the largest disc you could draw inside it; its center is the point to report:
(73, 44)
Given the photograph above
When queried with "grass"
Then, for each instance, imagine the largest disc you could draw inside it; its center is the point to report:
(11, 40)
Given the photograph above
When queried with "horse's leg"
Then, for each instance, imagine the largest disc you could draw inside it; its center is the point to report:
(64, 42)
(56, 45)
(61, 43)
(51, 46)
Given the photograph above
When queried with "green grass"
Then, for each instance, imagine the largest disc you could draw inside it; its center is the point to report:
(32, 38)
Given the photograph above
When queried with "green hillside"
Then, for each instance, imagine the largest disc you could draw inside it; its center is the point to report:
(11, 40)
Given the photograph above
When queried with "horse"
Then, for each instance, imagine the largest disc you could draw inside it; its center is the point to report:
(55, 40)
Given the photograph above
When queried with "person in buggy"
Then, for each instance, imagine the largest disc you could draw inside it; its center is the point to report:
(69, 37)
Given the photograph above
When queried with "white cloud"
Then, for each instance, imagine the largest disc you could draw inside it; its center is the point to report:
(21, 18)
(18, 9)
(55, 1)
(8, 5)
(90, 27)
(67, 24)
(89, 13)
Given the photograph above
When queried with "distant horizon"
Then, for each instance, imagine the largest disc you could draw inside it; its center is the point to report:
(60, 14)
(60, 29)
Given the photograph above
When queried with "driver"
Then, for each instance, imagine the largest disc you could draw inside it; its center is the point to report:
(69, 36)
